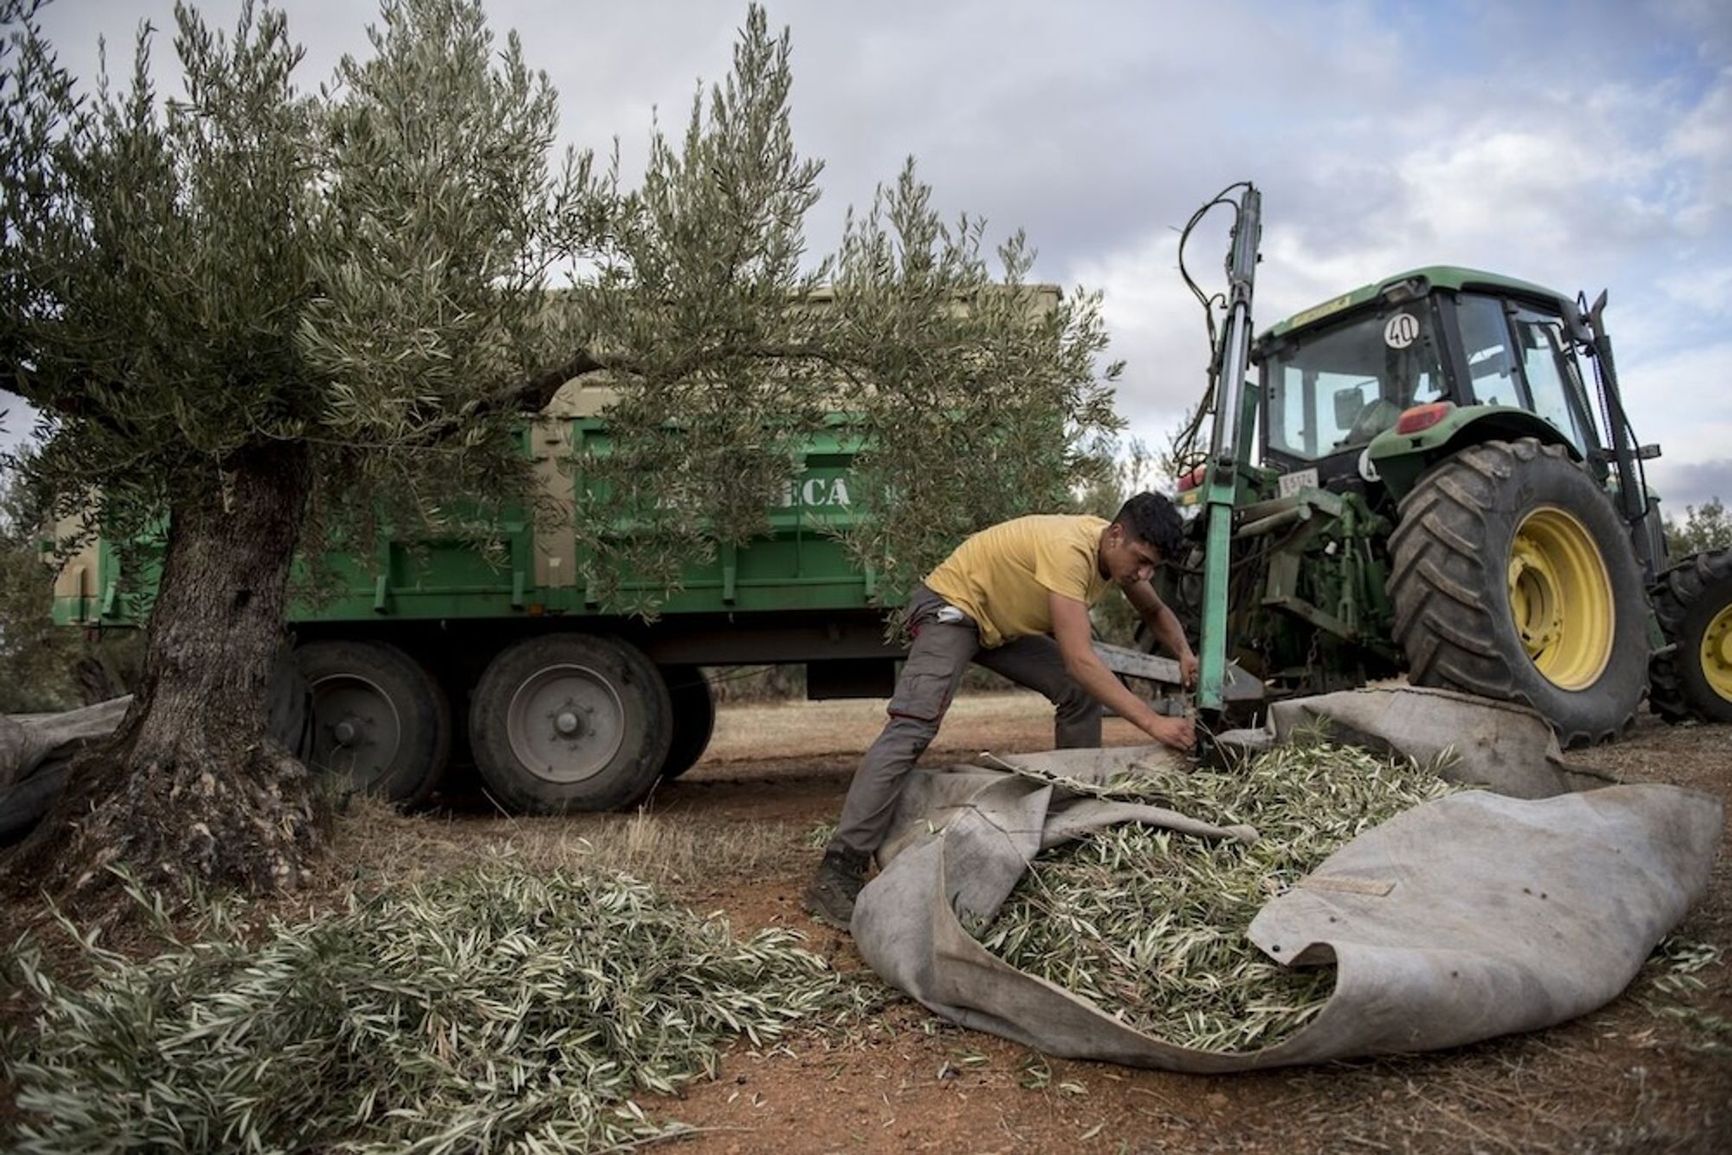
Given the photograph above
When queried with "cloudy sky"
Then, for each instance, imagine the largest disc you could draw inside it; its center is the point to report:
(1580, 145)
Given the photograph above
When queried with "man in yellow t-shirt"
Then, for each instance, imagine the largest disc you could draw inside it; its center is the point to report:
(1015, 598)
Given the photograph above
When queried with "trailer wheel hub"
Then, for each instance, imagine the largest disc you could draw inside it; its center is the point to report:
(367, 733)
(1561, 598)
(566, 722)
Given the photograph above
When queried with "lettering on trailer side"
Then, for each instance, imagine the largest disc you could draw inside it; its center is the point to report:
(816, 493)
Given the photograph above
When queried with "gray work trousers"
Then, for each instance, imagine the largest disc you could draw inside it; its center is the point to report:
(940, 653)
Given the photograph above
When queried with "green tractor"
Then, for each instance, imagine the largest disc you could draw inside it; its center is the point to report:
(1420, 480)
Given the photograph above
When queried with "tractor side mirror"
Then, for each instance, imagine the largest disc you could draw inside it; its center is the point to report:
(1348, 403)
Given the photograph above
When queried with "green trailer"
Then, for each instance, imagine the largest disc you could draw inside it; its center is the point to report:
(421, 653)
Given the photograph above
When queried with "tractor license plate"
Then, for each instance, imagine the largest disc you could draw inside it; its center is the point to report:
(1292, 483)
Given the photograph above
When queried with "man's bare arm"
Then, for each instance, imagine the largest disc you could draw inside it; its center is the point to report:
(1164, 624)
(1070, 628)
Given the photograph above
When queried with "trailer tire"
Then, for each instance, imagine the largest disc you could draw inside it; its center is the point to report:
(694, 718)
(378, 717)
(1693, 601)
(570, 722)
(1514, 580)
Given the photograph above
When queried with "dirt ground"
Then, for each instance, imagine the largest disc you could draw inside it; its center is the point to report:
(1650, 1072)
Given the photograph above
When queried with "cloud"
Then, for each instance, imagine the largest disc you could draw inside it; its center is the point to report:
(1680, 400)
(1158, 329)
(1701, 23)
(1691, 484)
(1581, 149)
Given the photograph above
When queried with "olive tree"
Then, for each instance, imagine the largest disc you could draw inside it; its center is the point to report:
(971, 394)
(258, 318)
(246, 302)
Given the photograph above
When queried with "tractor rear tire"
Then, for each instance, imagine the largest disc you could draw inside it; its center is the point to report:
(694, 718)
(570, 722)
(1693, 601)
(1513, 580)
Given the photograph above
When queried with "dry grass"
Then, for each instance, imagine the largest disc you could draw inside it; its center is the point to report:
(377, 847)
(974, 722)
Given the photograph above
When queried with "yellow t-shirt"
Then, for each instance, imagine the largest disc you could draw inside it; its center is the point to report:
(1002, 575)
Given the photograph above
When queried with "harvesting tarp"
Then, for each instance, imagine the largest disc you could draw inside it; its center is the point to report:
(1464, 918)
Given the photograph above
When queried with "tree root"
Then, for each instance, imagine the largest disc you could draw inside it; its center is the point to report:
(177, 821)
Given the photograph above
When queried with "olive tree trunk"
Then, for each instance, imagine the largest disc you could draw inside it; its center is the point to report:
(191, 789)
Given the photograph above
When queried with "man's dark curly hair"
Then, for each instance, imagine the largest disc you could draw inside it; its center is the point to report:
(1152, 520)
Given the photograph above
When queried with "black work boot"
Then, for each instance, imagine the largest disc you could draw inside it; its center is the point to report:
(830, 898)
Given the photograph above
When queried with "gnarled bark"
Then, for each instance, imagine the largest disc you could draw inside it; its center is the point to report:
(191, 789)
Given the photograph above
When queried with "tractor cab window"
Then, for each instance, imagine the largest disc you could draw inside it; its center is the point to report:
(1550, 369)
(1334, 389)
(1519, 357)
(1485, 340)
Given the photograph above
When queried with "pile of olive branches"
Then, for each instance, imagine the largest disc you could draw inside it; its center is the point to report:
(493, 1010)
(1150, 925)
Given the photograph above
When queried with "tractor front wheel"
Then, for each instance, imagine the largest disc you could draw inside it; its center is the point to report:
(1513, 580)
(1693, 601)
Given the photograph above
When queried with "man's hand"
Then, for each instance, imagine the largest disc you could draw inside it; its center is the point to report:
(1179, 733)
(1070, 628)
(1188, 669)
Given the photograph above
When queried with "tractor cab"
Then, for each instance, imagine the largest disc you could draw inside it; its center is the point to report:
(1430, 350)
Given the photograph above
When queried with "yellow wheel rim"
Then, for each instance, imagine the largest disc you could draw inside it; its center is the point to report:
(1717, 653)
(1561, 598)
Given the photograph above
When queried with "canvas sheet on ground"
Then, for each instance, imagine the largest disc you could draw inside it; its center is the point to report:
(1475, 915)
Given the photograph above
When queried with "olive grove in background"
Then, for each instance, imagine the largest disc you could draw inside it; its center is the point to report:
(1703, 527)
